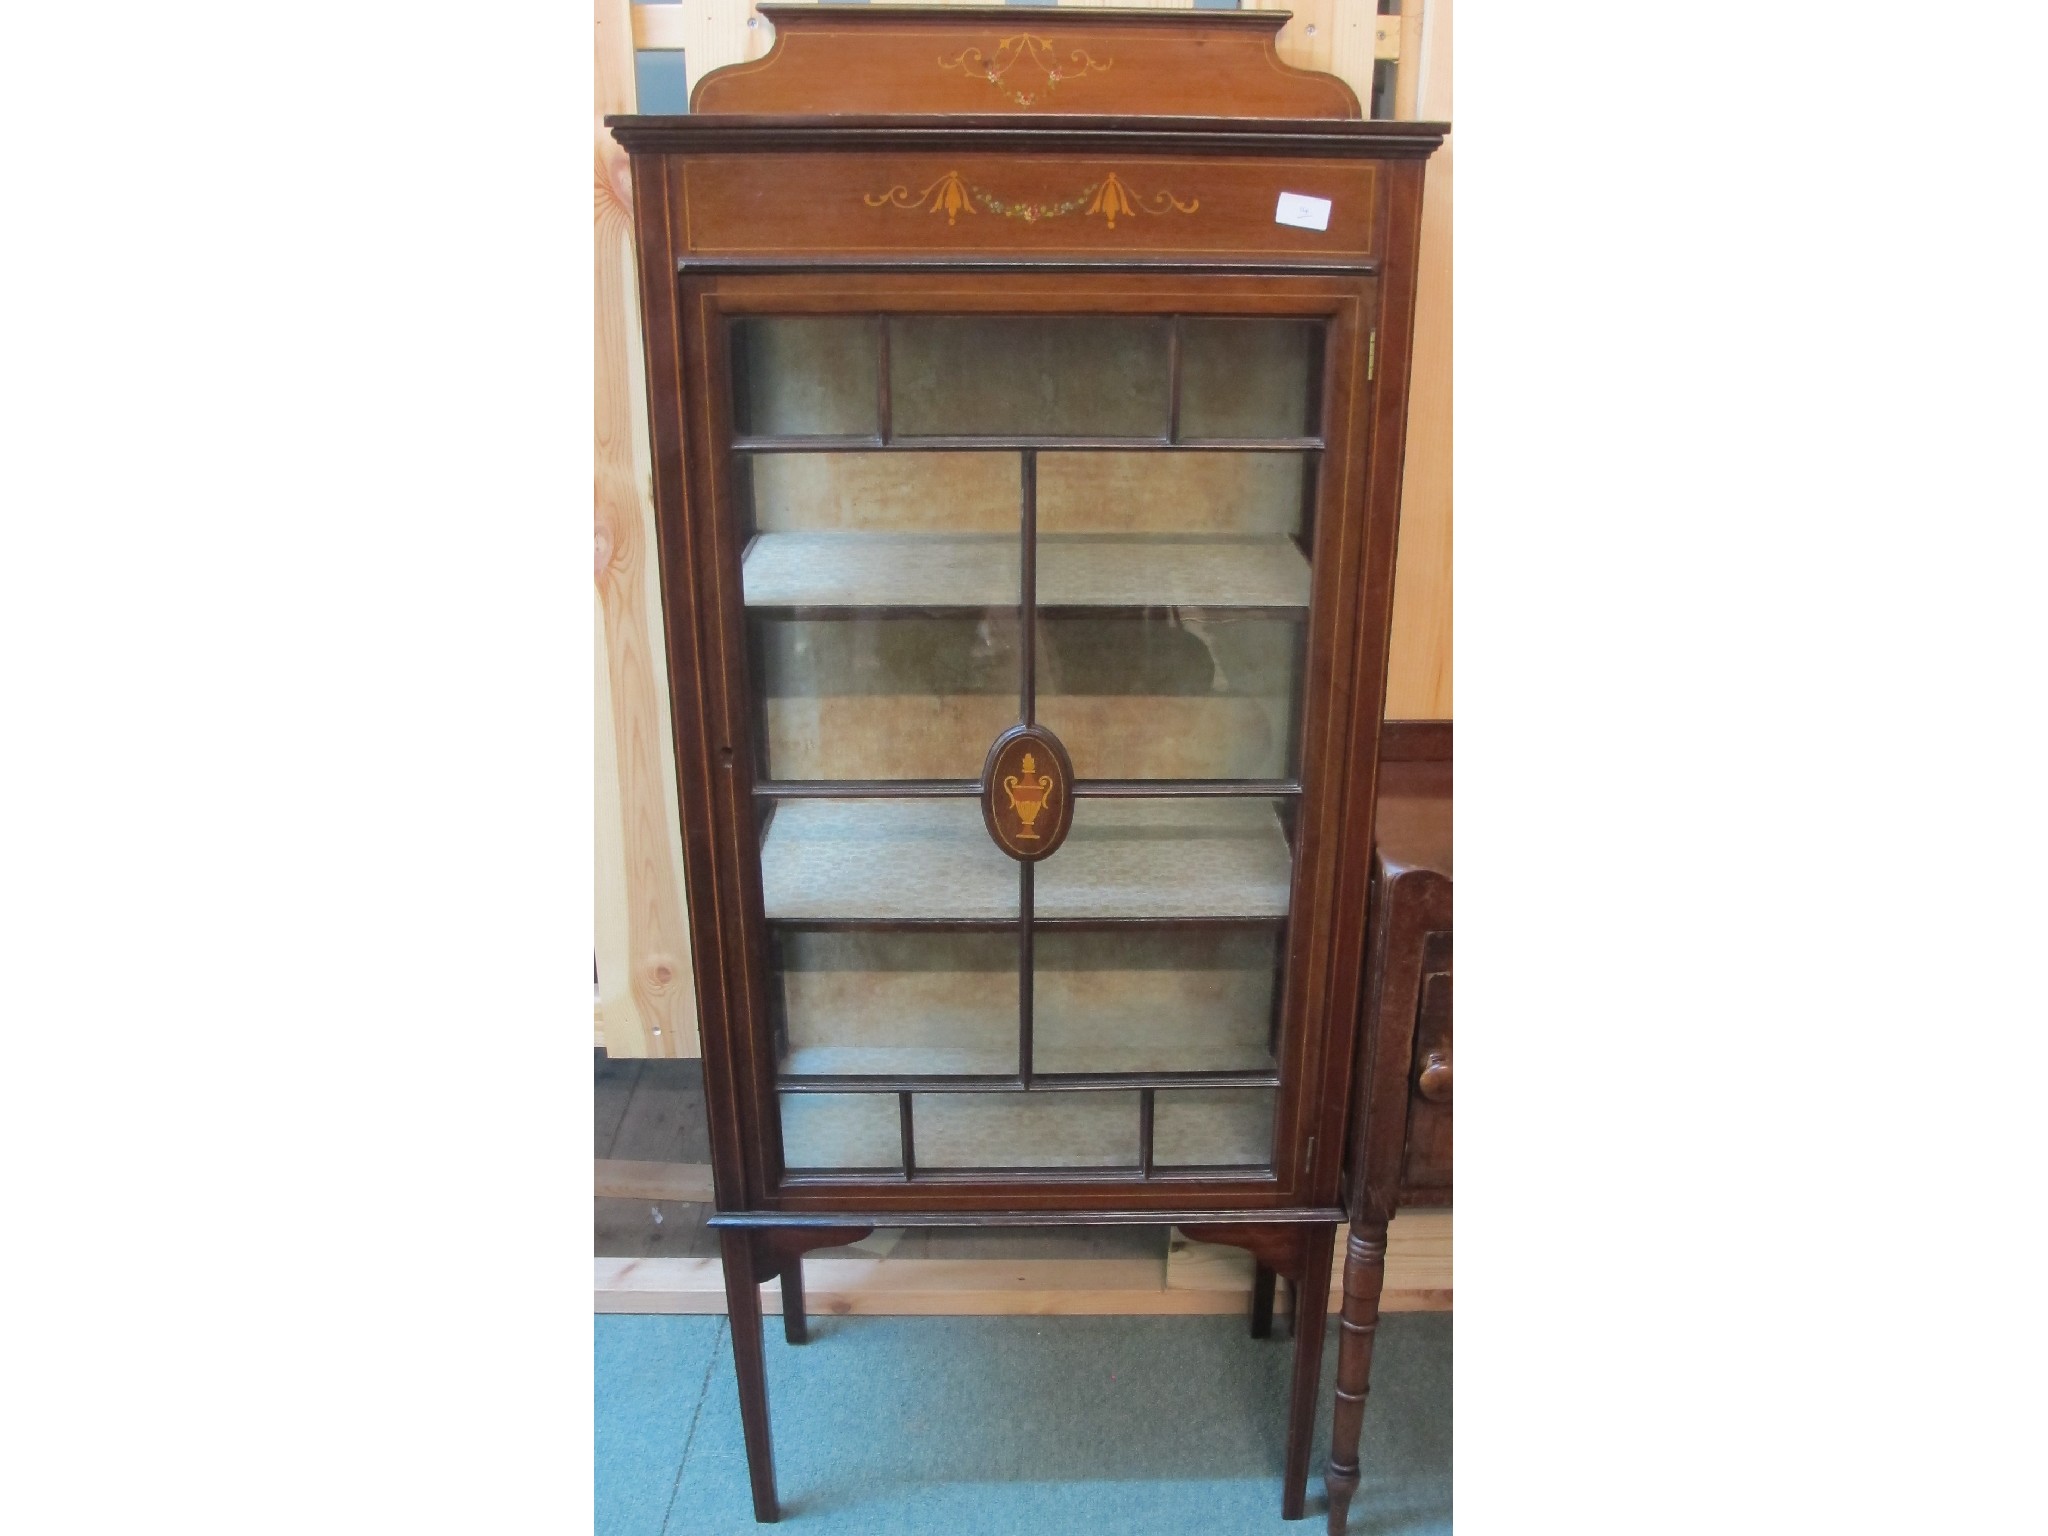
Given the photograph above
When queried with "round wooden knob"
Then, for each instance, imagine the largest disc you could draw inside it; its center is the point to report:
(1433, 1082)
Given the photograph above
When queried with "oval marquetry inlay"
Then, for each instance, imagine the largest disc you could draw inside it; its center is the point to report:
(1027, 792)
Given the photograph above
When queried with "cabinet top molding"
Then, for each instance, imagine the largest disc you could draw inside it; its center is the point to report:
(1314, 137)
(1022, 62)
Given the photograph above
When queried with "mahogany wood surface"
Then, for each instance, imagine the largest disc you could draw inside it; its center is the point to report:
(889, 161)
(994, 59)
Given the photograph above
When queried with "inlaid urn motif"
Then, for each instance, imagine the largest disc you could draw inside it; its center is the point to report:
(1027, 794)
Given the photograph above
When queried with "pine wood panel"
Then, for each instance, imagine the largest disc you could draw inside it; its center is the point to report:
(1419, 670)
(646, 996)
(1192, 1279)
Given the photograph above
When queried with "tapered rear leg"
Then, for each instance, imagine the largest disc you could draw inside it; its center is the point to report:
(794, 1330)
(1262, 1301)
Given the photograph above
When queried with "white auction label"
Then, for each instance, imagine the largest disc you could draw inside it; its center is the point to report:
(1303, 212)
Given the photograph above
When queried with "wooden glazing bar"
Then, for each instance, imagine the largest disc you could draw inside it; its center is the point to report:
(867, 611)
(1026, 966)
(1279, 1004)
(1043, 1082)
(909, 1135)
(869, 443)
(1191, 1173)
(918, 789)
(1361, 266)
(883, 403)
(1027, 606)
(1145, 1131)
(858, 442)
(1045, 610)
(1173, 344)
(1038, 1180)
(903, 1082)
(1003, 924)
(867, 789)
(1078, 1082)
(910, 789)
(1179, 789)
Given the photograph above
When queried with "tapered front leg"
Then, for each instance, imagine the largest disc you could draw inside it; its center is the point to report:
(743, 1311)
(1365, 1273)
(1262, 1301)
(793, 1329)
(1301, 1252)
(1311, 1306)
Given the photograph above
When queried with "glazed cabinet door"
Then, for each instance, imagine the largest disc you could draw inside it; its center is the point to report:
(1028, 596)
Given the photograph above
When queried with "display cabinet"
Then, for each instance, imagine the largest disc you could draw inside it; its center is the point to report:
(1027, 394)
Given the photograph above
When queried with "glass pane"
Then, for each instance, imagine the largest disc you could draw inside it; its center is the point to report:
(1189, 492)
(1170, 857)
(805, 377)
(882, 597)
(1173, 593)
(1248, 378)
(1212, 1127)
(1093, 376)
(862, 860)
(1026, 1130)
(1123, 1001)
(897, 1003)
(1173, 695)
(892, 492)
(841, 1130)
(883, 698)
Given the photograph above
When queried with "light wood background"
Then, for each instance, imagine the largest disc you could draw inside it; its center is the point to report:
(646, 1001)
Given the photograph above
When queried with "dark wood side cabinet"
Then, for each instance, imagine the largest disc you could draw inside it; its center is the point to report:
(1400, 1149)
(1027, 392)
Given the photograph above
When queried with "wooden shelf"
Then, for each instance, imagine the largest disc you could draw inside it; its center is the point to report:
(981, 570)
(933, 861)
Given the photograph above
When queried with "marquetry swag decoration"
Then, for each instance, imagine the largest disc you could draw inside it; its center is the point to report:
(953, 195)
(1038, 52)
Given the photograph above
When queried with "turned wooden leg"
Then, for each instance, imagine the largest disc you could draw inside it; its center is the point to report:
(793, 1329)
(1311, 1305)
(1365, 1271)
(743, 1311)
(1262, 1301)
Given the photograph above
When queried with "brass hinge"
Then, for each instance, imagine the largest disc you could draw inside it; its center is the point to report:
(1372, 351)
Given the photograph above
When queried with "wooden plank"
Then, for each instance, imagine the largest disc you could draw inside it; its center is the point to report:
(1419, 670)
(641, 1228)
(1408, 76)
(628, 1179)
(611, 1091)
(710, 33)
(664, 1120)
(1386, 37)
(892, 1287)
(643, 946)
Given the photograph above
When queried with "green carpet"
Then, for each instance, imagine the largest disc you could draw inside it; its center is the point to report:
(1006, 1426)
